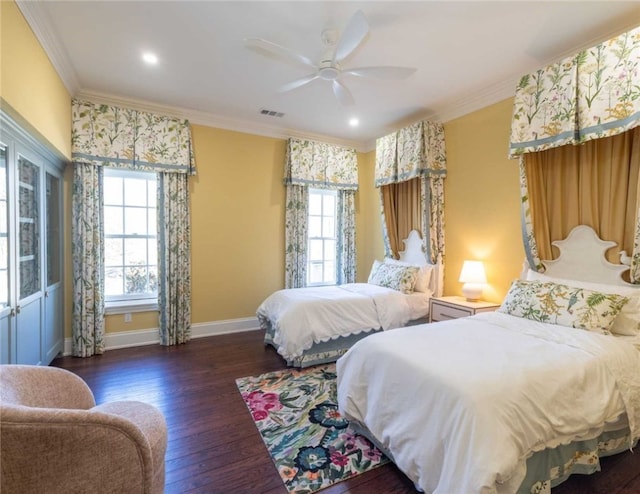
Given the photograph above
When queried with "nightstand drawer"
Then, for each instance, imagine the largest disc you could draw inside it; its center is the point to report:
(443, 313)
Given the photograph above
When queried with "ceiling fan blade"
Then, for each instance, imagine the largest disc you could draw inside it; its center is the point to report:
(355, 32)
(389, 73)
(342, 93)
(297, 83)
(262, 45)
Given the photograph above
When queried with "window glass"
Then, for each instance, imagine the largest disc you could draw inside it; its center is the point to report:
(321, 267)
(130, 235)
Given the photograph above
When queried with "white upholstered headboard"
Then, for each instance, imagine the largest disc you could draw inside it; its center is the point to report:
(414, 254)
(582, 257)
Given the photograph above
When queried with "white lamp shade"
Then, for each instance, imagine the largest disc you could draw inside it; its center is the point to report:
(472, 272)
(473, 277)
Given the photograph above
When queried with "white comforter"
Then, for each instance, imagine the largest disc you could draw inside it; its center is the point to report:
(301, 317)
(461, 404)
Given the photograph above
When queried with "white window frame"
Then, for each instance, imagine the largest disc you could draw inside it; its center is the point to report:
(324, 238)
(135, 302)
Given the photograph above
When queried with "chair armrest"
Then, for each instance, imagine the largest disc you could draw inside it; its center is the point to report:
(82, 450)
(43, 387)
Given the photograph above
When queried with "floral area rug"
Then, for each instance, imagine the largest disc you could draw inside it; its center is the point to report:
(309, 441)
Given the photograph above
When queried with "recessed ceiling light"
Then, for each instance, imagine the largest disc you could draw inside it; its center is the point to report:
(150, 58)
(354, 122)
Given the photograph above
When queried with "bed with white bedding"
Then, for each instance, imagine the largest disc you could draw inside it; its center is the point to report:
(513, 401)
(313, 325)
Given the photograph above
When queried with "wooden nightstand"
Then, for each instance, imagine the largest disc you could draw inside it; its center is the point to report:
(445, 308)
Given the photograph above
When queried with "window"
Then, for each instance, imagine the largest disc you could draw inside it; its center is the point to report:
(321, 263)
(131, 266)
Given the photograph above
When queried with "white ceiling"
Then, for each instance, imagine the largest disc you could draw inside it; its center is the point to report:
(468, 54)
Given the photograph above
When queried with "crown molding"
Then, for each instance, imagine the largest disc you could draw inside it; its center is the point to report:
(210, 120)
(37, 17)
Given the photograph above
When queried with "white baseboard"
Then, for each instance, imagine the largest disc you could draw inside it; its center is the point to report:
(140, 337)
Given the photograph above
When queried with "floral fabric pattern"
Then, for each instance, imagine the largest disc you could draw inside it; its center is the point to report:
(592, 95)
(174, 258)
(417, 151)
(411, 152)
(311, 444)
(87, 326)
(346, 215)
(386, 171)
(321, 165)
(296, 230)
(131, 139)
(401, 278)
(563, 305)
(528, 238)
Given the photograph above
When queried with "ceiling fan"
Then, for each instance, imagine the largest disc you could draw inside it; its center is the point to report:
(330, 67)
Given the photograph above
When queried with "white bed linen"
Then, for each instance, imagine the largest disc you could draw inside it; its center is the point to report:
(304, 316)
(461, 404)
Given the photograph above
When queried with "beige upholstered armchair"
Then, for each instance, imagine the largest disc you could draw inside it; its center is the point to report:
(54, 439)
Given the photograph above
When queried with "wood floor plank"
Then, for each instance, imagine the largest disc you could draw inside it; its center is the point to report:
(213, 445)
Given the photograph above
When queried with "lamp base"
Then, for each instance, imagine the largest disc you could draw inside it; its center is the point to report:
(472, 291)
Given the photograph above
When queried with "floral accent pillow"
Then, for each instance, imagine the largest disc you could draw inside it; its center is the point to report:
(401, 278)
(562, 304)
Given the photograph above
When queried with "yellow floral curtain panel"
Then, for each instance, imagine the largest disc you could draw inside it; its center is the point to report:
(592, 95)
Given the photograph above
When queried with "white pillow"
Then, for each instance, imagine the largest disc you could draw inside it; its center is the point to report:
(627, 321)
(424, 275)
(374, 268)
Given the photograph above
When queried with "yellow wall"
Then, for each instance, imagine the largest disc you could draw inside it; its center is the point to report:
(369, 245)
(237, 211)
(482, 200)
(29, 83)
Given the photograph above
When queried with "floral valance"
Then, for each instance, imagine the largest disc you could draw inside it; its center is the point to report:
(321, 165)
(411, 152)
(126, 138)
(591, 95)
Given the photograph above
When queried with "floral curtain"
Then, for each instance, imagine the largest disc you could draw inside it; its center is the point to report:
(131, 139)
(174, 258)
(88, 262)
(347, 236)
(104, 135)
(296, 231)
(591, 95)
(417, 151)
(322, 166)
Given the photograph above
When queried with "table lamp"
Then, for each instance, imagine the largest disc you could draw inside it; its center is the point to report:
(473, 277)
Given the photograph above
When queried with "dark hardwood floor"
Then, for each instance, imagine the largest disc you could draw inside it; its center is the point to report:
(214, 446)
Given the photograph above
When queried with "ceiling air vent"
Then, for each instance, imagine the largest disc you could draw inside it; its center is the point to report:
(271, 113)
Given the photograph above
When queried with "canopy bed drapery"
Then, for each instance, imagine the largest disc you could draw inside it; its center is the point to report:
(592, 95)
(322, 166)
(104, 135)
(410, 156)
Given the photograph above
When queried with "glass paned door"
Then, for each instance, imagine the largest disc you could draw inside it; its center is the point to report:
(54, 235)
(28, 228)
(4, 231)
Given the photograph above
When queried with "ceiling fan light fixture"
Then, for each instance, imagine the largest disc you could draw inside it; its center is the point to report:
(329, 73)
